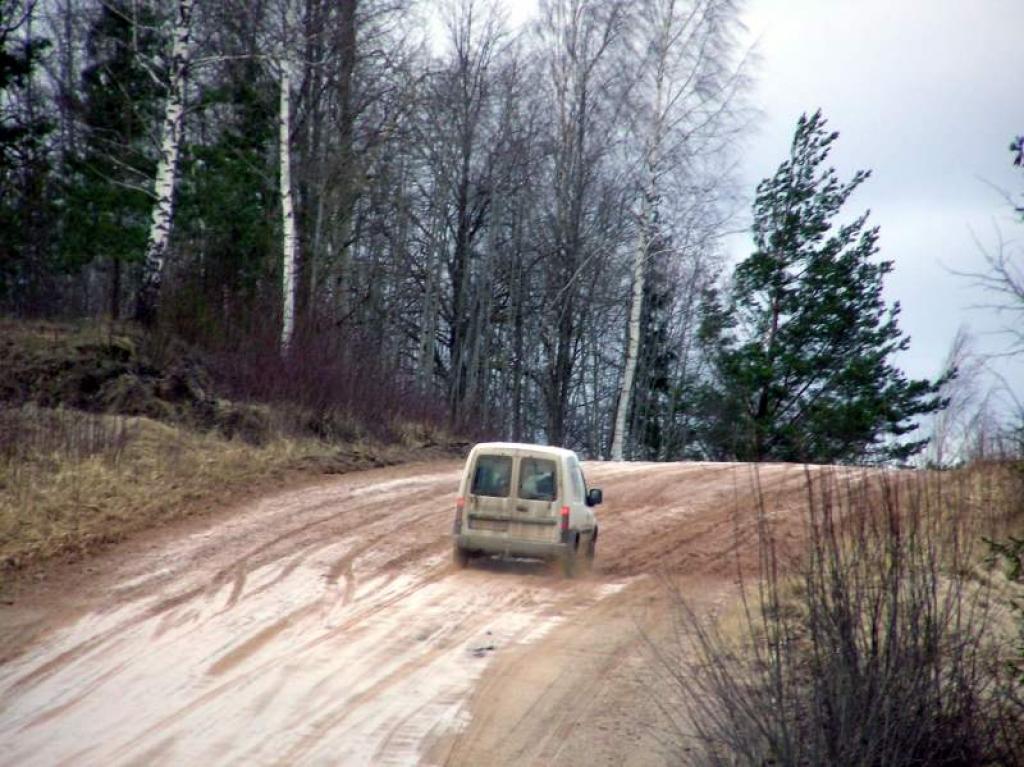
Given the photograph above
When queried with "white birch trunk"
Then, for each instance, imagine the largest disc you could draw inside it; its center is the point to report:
(633, 344)
(167, 166)
(644, 240)
(648, 224)
(291, 242)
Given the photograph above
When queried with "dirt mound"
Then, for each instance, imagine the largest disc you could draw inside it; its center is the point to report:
(121, 372)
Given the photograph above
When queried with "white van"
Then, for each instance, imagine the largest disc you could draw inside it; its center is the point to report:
(525, 501)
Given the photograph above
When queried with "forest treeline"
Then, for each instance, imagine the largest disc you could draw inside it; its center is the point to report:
(520, 231)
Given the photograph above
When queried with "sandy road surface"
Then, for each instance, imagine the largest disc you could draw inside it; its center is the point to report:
(328, 626)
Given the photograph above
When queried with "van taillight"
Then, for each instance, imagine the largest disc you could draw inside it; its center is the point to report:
(460, 504)
(565, 518)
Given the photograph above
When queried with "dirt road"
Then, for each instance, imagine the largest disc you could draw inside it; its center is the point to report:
(328, 626)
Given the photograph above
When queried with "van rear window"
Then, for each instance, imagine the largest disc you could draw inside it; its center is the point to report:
(492, 476)
(537, 480)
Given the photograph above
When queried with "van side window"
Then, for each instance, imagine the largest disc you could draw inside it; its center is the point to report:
(492, 476)
(579, 487)
(537, 480)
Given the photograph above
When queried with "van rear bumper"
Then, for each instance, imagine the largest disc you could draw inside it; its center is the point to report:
(513, 547)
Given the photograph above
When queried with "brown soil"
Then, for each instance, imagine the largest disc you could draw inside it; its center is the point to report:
(328, 625)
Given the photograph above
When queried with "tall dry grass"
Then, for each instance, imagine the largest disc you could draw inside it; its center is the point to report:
(893, 639)
(71, 481)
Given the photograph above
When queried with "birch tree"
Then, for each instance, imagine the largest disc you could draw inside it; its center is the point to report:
(681, 108)
(167, 164)
(287, 40)
(290, 240)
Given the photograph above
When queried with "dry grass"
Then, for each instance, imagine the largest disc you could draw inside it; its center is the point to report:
(106, 430)
(72, 482)
(35, 335)
(895, 640)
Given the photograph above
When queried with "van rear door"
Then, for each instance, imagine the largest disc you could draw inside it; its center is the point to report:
(490, 490)
(537, 511)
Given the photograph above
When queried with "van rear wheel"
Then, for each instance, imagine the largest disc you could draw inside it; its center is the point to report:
(591, 550)
(568, 558)
(460, 556)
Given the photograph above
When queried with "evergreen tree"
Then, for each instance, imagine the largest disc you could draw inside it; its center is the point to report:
(25, 125)
(227, 208)
(107, 202)
(802, 343)
(650, 410)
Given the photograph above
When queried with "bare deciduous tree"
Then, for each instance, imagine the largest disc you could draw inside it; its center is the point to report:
(1004, 280)
(577, 38)
(950, 438)
(683, 110)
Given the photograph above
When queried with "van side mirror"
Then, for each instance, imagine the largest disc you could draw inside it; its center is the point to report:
(594, 497)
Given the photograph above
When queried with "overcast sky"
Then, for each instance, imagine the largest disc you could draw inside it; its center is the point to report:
(927, 94)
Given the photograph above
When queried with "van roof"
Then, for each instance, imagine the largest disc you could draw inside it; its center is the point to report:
(562, 452)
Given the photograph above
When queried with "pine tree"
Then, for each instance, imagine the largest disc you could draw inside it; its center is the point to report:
(25, 210)
(107, 202)
(226, 211)
(802, 343)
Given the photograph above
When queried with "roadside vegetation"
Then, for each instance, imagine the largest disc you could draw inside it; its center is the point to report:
(896, 637)
(107, 432)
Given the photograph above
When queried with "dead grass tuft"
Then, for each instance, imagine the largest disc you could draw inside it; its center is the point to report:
(72, 482)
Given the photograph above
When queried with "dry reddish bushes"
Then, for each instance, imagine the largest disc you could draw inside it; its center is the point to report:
(888, 643)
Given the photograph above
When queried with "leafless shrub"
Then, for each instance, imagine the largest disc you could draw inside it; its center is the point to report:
(881, 646)
(341, 385)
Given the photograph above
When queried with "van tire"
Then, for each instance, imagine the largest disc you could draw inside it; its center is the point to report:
(591, 550)
(460, 556)
(568, 559)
